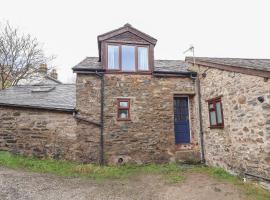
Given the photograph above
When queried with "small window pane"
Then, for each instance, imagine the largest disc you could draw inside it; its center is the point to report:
(211, 106)
(143, 58)
(213, 120)
(123, 104)
(128, 58)
(123, 114)
(113, 57)
(219, 115)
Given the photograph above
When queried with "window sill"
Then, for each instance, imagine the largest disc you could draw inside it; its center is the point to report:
(123, 119)
(216, 127)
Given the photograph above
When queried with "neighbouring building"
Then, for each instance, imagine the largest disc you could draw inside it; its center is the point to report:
(127, 107)
(235, 99)
(41, 77)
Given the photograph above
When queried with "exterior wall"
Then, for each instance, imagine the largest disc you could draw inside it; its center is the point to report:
(149, 136)
(244, 143)
(47, 134)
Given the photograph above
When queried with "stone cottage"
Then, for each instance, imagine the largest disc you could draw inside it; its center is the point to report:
(235, 113)
(146, 108)
(127, 106)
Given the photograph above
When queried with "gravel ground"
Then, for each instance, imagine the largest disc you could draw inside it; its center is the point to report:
(22, 185)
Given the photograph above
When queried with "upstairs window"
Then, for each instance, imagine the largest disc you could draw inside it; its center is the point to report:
(128, 58)
(123, 109)
(215, 113)
(143, 60)
(113, 57)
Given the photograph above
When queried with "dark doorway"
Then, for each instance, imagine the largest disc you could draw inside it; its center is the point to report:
(181, 120)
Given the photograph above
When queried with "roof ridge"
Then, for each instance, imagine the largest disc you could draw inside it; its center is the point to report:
(229, 58)
(170, 60)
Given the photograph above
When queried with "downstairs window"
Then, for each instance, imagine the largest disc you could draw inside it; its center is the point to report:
(123, 113)
(215, 113)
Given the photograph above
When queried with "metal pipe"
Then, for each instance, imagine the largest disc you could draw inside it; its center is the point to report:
(200, 117)
(196, 78)
(78, 117)
(258, 177)
(101, 151)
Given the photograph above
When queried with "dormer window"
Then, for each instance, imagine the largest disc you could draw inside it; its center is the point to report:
(113, 57)
(143, 60)
(128, 58)
(126, 50)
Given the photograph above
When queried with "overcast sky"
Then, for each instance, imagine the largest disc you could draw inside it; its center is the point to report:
(217, 28)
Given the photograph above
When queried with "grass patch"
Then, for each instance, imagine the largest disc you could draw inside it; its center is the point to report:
(253, 192)
(172, 172)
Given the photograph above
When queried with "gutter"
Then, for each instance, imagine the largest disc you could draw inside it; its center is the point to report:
(38, 107)
(173, 73)
(87, 71)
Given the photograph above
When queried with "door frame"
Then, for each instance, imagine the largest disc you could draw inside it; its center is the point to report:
(189, 120)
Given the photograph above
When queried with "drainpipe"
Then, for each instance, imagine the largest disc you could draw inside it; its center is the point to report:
(101, 150)
(197, 81)
(257, 177)
(200, 116)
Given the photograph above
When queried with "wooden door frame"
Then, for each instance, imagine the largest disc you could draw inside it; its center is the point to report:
(189, 117)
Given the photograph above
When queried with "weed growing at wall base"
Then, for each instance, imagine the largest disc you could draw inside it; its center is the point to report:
(173, 173)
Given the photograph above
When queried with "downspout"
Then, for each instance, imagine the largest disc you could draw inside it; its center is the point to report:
(200, 117)
(200, 112)
(101, 150)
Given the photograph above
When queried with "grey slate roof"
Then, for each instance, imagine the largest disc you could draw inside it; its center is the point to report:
(88, 63)
(53, 97)
(170, 66)
(259, 64)
(160, 65)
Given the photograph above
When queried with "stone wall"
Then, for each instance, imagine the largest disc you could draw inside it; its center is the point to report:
(244, 143)
(149, 136)
(47, 134)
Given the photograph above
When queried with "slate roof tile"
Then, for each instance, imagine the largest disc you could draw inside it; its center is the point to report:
(259, 64)
(56, 97)
(160, 65)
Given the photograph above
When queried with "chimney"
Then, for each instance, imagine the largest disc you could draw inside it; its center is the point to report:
(43, 69)
(53, 74)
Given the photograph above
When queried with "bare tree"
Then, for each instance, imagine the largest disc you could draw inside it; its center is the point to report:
(20, 55)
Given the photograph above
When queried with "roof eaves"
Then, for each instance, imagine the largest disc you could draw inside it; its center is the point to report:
(231, 67)
(86, 70)
(53, 79)
(127, 28)
(185, 74)
(39, 107)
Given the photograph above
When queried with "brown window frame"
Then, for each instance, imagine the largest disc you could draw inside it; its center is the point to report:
(119, 59)
(123, 108)
(137, 58)
(119, 69)
(214, 109)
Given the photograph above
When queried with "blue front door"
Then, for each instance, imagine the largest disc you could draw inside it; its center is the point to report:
(181, 120)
